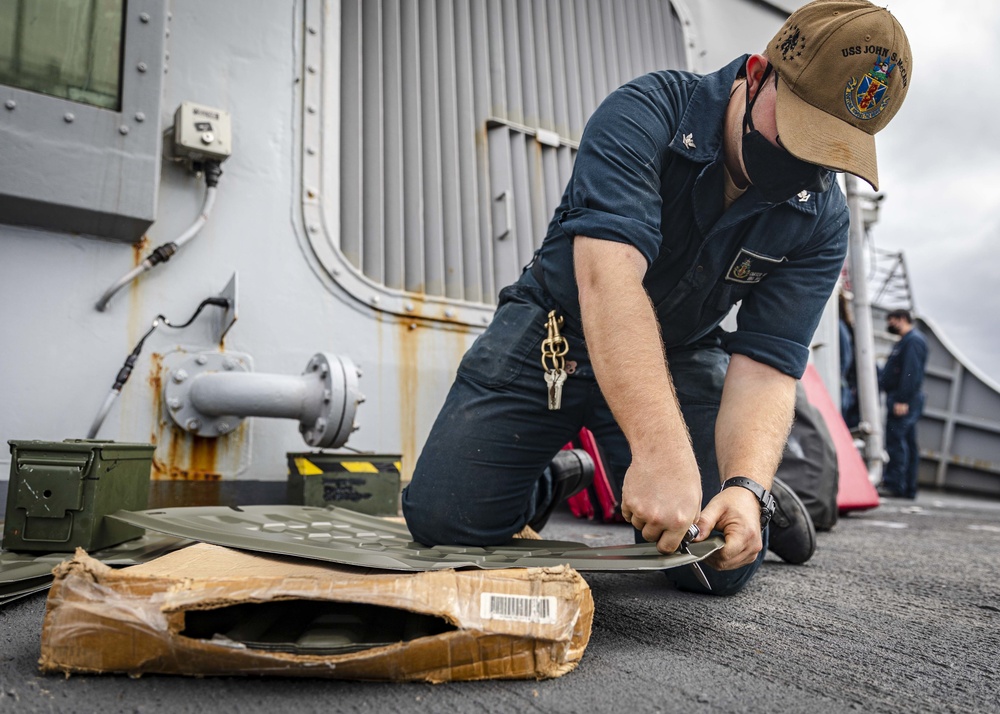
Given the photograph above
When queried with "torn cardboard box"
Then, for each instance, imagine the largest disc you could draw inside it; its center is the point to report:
(208, 610)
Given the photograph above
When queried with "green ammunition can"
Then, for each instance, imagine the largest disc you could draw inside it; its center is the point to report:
(60, 492)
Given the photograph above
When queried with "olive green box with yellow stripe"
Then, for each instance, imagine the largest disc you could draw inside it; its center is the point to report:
(366, 483)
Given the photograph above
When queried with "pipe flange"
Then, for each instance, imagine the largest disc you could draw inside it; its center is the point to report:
(177, 400)
(338, 377)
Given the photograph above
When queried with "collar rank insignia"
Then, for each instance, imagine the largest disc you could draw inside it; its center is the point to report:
(803, 196)
(867, 98)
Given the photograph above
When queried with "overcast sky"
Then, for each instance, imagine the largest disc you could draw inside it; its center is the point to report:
(939, 168)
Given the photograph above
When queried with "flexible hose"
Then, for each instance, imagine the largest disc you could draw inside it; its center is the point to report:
(122, 282)
(126, 370)
(102, 414)
(202, 219)
(164, 252)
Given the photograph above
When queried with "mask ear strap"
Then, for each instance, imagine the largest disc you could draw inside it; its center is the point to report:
(747, 121)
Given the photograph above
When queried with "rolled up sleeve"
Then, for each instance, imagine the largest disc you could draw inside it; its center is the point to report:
(776, 321)
(615, 189)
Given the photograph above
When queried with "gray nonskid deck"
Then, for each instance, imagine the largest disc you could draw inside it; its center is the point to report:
(897, 611)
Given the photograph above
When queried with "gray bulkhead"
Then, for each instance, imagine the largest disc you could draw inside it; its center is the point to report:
(394, 165)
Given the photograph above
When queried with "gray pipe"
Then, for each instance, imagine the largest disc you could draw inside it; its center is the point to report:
(260, 395)
(864, 338)
(209, 394)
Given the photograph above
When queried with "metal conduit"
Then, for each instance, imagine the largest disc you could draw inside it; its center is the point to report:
(864, 338)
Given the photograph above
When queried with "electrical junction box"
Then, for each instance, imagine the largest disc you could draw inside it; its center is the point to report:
(202, 133)
(366, 483)
(60, 492)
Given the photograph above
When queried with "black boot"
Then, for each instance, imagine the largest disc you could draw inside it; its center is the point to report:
(572, 471)
(793, 536)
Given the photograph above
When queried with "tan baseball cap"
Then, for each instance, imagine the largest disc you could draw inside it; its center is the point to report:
(843, 70)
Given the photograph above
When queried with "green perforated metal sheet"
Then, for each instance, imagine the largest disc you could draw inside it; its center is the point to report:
(9, 592)
(341, 536)
(22, 574)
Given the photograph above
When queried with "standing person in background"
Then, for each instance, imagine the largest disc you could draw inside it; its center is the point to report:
(848, 372)
(901, 380)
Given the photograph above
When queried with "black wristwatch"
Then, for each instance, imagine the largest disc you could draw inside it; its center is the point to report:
(764, 496)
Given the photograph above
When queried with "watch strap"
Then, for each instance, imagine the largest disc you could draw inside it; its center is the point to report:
(764, 497)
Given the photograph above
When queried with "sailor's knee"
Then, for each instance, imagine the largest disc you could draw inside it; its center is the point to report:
(721, 586)
(723, 582)
(420, 519)
(729, 584)
(435, 521)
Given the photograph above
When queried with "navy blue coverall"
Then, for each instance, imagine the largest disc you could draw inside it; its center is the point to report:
(901, 380)
(649, 172)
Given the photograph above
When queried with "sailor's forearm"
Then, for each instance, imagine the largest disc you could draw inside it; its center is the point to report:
(626, 350)
(758, 403)
(661, 490)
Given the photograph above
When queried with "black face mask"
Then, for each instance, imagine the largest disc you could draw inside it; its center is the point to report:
(892, 329)
(776, 173)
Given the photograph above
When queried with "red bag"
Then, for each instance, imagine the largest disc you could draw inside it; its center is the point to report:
(598, 499)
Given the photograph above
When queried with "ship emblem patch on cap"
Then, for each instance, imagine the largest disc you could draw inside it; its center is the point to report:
(866, 99)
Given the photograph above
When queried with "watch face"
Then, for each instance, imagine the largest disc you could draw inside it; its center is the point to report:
(767, 508)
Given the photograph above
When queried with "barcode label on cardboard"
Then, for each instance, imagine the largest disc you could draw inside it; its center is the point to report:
(522, 608)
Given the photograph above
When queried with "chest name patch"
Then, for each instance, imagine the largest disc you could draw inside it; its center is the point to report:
(750, 267)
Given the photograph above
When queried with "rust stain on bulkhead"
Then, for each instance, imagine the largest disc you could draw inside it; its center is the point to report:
(155, 381)
(181, 456)
(419, 363)
(139, 250)
(428, 333)
(409, 374)
(190, 477)
(136, 313)
(201, 462)
(188, 457)
(417, 306)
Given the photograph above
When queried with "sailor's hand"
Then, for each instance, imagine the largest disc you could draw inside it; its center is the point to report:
(735, 512)
(900, 409)
(661, 505)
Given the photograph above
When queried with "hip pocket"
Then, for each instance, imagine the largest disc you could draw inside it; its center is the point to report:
(498, 355)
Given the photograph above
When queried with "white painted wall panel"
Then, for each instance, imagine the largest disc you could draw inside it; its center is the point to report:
(60, 356)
